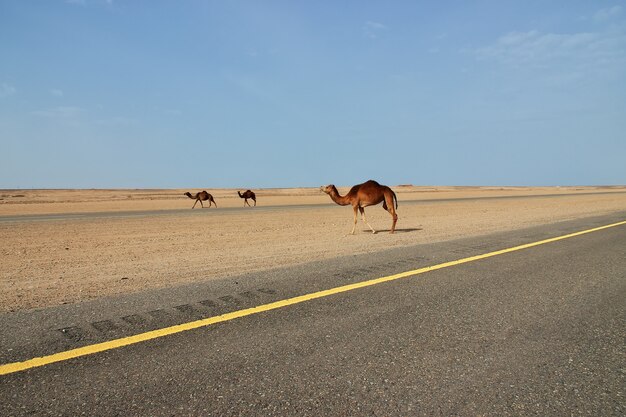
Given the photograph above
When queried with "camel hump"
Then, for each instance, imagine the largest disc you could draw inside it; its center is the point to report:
(369, 184)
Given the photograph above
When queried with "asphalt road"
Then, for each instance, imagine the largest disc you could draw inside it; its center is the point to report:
(540, 331)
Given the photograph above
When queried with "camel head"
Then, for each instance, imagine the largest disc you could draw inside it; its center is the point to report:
(328, 188)
(188, 194)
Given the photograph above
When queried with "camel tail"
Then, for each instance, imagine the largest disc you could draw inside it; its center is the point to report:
(395, 198)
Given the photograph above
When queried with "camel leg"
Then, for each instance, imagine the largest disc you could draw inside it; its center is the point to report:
(362, 210)
(201, 205)
(395, 220)
(255, 202)
(194, 204)
(391, 209)
(356, 209)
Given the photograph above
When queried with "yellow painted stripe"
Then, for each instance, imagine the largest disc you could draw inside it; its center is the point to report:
(142, 337)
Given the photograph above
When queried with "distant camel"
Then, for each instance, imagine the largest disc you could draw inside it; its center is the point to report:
(246, 195)
(360, 196)
(202, 196)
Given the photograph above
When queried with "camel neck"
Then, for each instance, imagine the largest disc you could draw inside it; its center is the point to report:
(342, 201)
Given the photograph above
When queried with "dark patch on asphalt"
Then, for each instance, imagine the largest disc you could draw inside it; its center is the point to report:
(134, 319)
(73, 333)
(208, 303)
(229, 299)
(390, 267)
(105, 326)
(162, 317)
(159, 315)
(248, 294)
(186, 309)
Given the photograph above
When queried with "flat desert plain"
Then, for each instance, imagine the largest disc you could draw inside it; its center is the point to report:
(131, 240)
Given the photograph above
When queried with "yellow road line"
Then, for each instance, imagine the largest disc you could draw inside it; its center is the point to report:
(142, 337)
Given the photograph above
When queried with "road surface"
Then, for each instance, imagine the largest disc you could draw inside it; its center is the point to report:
(535, 331)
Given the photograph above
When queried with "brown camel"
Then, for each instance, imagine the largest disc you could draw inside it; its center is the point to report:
(246, 195)
(201, 196)
(360, 196)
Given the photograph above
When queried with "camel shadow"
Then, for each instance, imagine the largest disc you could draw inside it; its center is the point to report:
(405, 230)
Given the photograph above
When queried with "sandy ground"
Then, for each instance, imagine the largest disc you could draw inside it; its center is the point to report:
(55, 262)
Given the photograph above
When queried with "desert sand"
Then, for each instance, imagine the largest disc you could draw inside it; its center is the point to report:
(46, 263)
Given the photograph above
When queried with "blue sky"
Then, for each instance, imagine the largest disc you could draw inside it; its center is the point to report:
(204, 94)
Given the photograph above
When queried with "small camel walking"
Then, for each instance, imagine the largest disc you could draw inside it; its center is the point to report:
(201, 196)
(247, 195)
(360, 196)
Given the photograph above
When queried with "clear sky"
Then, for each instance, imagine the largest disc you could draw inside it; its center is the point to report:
(250, 94)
